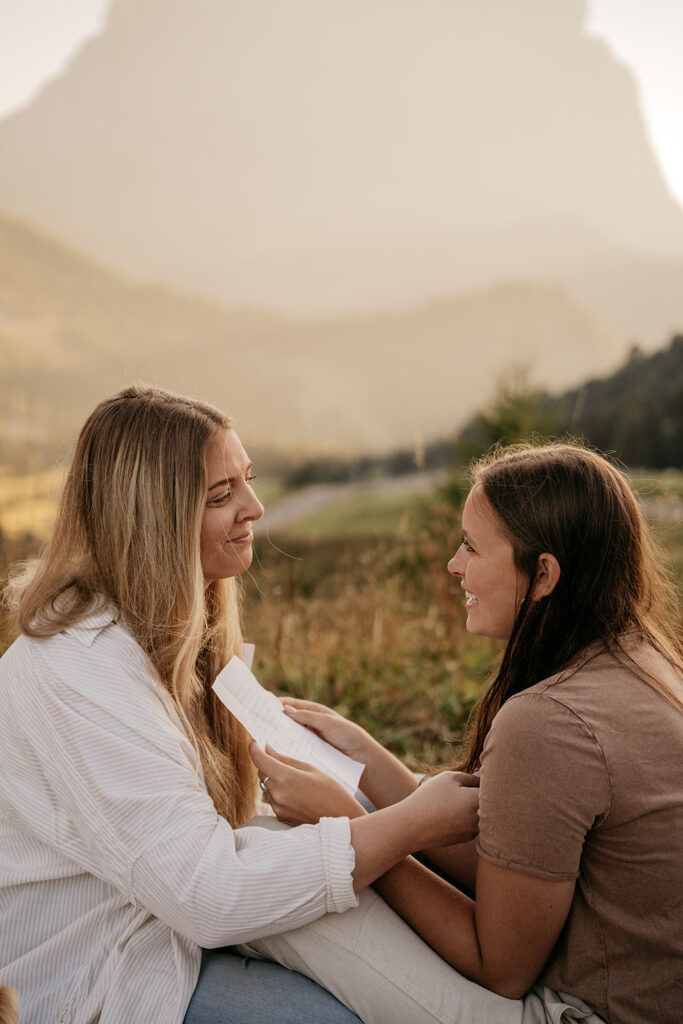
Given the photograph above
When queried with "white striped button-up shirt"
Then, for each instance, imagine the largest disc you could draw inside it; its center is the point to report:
(114, 867)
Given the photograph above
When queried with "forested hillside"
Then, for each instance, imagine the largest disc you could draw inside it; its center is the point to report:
(637, 412)
(634, 414)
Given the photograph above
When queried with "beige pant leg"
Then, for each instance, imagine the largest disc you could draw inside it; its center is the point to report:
(376, 965)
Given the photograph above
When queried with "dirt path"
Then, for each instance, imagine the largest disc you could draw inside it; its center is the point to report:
(298, 504)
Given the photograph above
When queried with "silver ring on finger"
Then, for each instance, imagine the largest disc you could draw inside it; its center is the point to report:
(262, 785)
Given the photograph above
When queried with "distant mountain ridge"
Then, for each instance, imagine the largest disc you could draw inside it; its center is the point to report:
(72, 332)
(348, 156)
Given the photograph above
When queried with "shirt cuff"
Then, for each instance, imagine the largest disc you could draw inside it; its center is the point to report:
(339, 860)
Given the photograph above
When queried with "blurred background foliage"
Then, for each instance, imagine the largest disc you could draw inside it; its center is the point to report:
(351, 604)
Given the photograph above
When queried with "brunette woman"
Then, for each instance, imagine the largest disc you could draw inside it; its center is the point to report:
(577, 905)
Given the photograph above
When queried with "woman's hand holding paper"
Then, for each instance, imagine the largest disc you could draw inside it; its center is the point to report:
(346, 736)
(299, 793)
(385, 779)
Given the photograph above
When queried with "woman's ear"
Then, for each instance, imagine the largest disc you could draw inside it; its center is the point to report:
(547, 574)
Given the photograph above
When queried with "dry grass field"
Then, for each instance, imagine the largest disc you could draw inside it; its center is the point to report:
(28, 501)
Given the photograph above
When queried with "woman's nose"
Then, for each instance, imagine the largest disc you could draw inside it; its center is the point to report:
(256, 509)
(251, 508)
(456, 565)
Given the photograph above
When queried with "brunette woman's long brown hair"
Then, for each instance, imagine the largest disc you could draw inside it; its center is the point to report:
(128, 532)
(572, 503)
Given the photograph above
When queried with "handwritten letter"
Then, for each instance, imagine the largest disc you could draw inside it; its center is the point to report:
(261, 714)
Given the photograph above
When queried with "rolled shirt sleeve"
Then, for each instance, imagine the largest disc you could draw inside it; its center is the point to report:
(116, 786)
(220, 886)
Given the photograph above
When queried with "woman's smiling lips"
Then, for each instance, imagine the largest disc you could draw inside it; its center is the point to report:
(244, 538)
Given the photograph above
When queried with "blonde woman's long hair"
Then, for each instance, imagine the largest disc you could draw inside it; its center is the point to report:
(128, 532)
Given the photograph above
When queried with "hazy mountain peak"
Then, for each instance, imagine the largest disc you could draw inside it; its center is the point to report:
(300, 153)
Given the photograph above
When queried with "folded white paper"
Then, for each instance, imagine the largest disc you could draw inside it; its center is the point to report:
(261, 714)
(248, 654)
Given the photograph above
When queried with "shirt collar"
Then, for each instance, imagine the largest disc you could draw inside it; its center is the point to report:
(86, 630)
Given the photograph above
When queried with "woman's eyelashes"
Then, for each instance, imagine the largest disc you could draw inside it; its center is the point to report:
(222, 499)
(466, 544)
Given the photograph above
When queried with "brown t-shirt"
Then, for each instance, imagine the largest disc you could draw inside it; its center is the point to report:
(582, 777)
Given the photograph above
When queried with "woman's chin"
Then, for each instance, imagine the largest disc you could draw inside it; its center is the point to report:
(243, 564)
(228, 572)
(476, 628)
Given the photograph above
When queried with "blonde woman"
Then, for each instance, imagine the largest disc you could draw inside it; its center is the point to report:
(125, 785)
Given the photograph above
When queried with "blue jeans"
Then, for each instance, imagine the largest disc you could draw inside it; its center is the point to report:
(233, 989)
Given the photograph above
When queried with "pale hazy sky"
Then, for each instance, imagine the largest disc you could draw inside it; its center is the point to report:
(38, 37)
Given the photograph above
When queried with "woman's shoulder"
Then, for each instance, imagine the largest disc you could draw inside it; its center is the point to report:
(610, 704)
(94, 672)
(65, 616)
(631, 674)
(542, 716)
(59, 635)
(86, 655)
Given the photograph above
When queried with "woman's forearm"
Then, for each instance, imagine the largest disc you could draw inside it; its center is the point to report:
(386, 780)
(458, 862)
(442, 915)
(379, 841)
(503, 940)
(440, 813)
